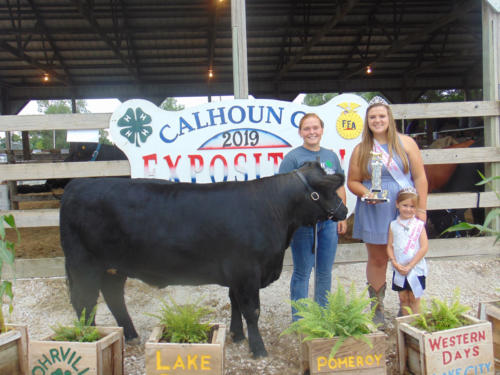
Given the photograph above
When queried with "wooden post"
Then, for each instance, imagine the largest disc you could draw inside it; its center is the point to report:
(491, 81)
(240, 63)
(26, 145)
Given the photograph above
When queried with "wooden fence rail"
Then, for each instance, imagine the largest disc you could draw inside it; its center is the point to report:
(50, 217)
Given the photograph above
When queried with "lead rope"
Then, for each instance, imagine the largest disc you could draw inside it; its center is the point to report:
(315, 251)
(96, 152)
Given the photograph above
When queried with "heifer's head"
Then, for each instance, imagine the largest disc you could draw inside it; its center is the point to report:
(81, 151)
(320, 193)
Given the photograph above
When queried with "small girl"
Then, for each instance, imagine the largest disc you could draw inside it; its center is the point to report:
(406, 246)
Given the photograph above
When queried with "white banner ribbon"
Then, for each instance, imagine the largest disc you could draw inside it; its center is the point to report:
(392, 167)
(415, 227)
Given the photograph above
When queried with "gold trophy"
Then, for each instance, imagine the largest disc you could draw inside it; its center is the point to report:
(376, 188)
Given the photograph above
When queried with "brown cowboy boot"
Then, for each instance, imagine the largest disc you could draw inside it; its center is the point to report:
(379, 310)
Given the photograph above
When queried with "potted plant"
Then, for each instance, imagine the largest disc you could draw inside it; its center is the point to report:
(341, 337)
(79, 349)
(488, 310)
(443, 339)
(13, 337)
(185, 342)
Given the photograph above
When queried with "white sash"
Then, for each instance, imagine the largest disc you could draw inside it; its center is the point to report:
(415, 227)
(392, 167)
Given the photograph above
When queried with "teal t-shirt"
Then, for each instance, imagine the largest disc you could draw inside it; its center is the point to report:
(298, 156)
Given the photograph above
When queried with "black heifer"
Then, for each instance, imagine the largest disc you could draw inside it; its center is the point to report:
(78, 151)
(84, 151)
(230, 233)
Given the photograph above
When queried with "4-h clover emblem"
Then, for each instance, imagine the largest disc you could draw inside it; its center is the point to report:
(60, 372)
(134, 126)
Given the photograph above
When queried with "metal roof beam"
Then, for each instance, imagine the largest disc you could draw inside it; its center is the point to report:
(359, 38)
(339, 16)
(461, 9)
(259, 88)
(212, 34)
(130, 41)
(55, 50)
(33, 62)
(87, 14)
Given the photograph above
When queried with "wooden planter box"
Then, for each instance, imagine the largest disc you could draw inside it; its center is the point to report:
(186, 359)
(490, 311)
(464, 350)
(14, 350)
(353, 357)
(102, 357)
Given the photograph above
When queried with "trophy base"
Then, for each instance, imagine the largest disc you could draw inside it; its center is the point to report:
(375, 200)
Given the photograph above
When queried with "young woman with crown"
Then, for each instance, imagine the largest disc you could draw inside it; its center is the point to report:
(402, 167)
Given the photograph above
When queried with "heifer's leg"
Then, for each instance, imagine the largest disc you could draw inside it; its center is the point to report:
(236, 328)
(249, 303)
(113, 291)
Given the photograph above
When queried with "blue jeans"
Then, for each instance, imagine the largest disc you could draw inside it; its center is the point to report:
(303, 261)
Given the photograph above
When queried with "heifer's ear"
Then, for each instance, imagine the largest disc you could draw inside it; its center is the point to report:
(337, 179)
(311, 165)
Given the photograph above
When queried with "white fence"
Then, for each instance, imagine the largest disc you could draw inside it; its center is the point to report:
(348, 253)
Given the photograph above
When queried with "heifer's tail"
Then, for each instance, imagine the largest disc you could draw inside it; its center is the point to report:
(83, 276)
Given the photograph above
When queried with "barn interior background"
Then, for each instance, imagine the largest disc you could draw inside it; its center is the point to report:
(76, 49)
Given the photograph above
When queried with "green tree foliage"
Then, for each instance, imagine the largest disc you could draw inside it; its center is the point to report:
(436, 96)
(322, 98)
(170, 104)
(45, 139)
(318, 99)
(15, 138)
(51, 107)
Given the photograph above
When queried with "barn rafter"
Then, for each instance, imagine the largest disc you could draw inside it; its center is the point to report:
(154, 49)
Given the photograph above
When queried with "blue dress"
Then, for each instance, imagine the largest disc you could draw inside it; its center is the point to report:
(371, 221)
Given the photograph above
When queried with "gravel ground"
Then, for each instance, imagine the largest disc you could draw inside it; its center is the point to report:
(42, 303)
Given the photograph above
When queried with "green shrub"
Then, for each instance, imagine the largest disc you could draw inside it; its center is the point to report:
(488, 221)
(183, 323)
(345, 315)
(7, 257)
(81, 331)
(440, 316)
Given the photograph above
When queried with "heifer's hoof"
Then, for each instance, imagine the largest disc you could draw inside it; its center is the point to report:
(237, 337)
(133, 341)
(260, 353)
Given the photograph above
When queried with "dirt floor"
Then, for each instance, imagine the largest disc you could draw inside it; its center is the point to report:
(39, 242)
(44, 302)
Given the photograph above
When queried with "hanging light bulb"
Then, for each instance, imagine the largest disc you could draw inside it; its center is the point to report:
(46, 77)
(210, 73)
(368, 69)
